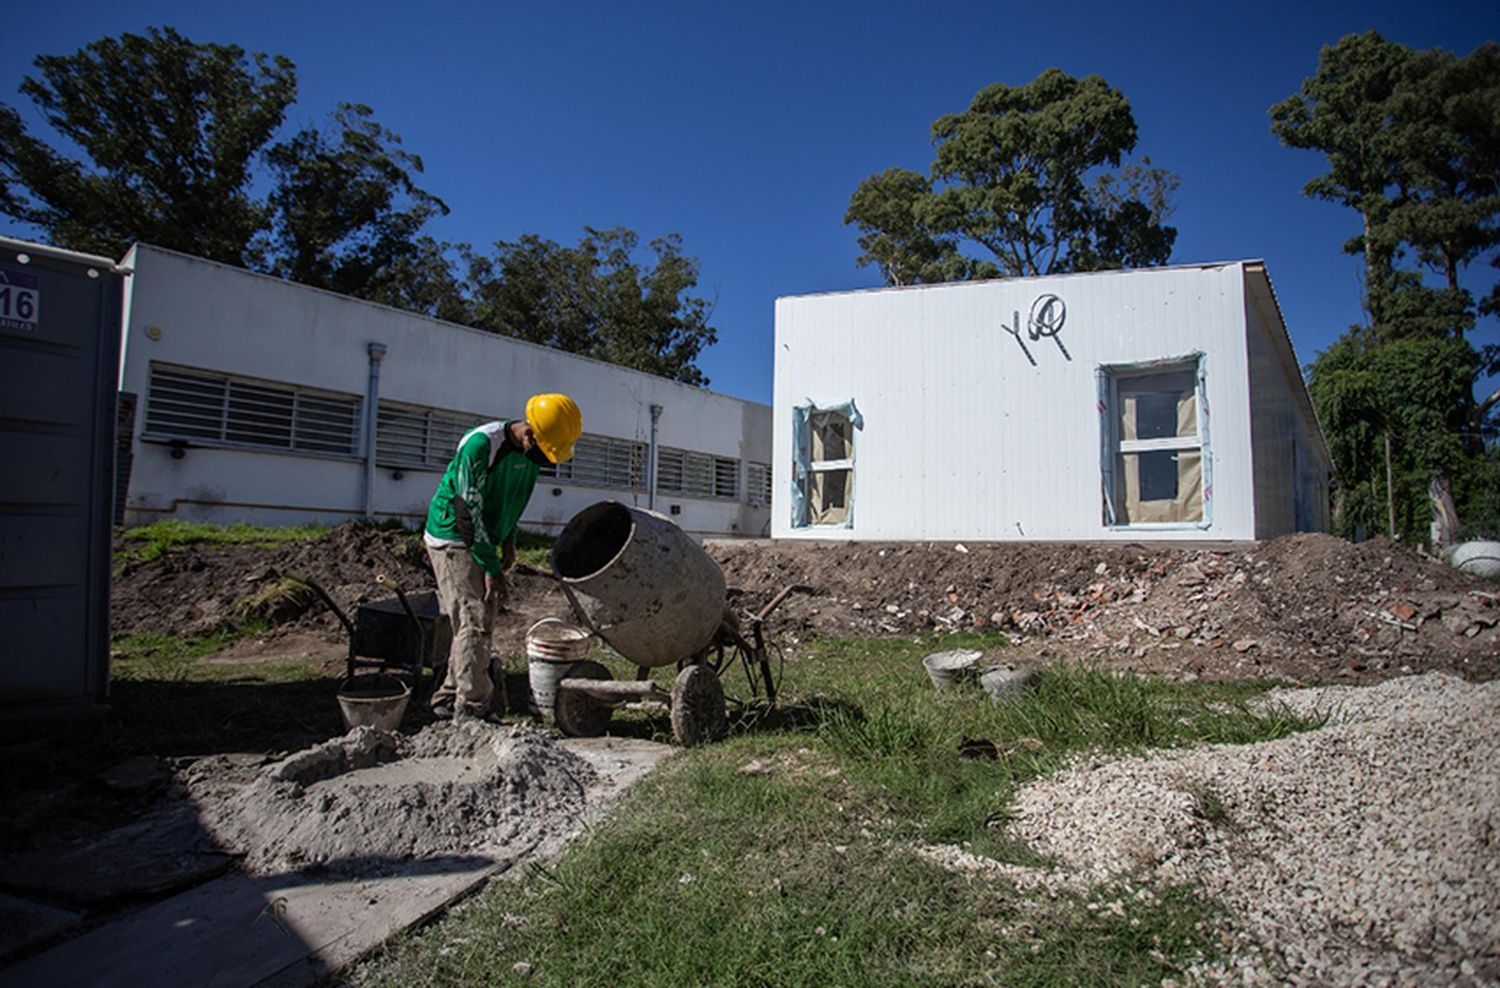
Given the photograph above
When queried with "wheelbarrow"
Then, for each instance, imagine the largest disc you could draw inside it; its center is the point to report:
(397, 636)
(642, 585)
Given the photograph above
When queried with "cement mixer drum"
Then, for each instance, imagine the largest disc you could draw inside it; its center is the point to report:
(641, 582)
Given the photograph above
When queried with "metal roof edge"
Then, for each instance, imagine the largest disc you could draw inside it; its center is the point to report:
(63, 254)
(1199, 266)
(444, 323)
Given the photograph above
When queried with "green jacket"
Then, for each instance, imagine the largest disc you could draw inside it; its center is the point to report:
(487, 480)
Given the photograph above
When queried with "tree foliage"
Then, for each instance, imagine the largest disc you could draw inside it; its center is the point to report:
(597, 299)
(176, 135)
(1412, 142)
(171, 129)
(1034, 177)
(347, 210)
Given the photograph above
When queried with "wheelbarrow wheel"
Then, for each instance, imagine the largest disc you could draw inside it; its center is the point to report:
(698, 713)
(577, 714)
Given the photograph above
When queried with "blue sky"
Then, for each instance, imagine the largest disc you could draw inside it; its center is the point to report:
(746, 127)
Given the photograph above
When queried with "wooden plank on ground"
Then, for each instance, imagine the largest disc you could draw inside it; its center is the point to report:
(239, 930)
(166, 850)
(24, 923)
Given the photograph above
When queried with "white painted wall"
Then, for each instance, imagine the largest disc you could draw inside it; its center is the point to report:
(1291, 461)
(210, 316)
(964, 438)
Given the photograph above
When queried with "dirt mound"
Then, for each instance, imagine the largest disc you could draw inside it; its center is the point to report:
(1304, 607)
(206, 587)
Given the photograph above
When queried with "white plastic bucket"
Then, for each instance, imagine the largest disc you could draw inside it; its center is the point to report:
(552, 645)
(1480, 558)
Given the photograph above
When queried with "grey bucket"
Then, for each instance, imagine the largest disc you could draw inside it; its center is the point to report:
(1006, 683)
(640, 582)
(552, 646)
(373, 701)
(1479, 558)
(946, 669)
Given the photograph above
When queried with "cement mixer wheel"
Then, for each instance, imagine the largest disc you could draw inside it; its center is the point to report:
(577, 714)
(698, 713)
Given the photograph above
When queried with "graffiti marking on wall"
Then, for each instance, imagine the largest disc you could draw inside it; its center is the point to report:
(1048, 313)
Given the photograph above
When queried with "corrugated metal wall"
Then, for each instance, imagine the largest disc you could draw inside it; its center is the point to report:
(973, 433)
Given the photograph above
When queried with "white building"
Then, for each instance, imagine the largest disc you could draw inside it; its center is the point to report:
(1164, 403)
(253, 399)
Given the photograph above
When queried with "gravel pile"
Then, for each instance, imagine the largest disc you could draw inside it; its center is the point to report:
(1367, 852)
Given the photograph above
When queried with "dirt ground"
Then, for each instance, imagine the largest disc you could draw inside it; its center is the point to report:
(1305, 608)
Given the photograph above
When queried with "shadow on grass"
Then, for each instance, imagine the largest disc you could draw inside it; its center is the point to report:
(757, 716)
(175, 718)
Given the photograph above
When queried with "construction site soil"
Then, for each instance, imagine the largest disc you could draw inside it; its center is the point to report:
(1304, 608)
(1307, 609)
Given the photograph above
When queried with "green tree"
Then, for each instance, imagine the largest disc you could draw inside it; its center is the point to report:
(176, 133)
(1412, 142)
(597, 299)
(348, 216)
(888, 208)
(1034, 177)
(171, 130)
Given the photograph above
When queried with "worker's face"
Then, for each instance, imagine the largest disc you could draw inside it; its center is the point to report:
(526, 436)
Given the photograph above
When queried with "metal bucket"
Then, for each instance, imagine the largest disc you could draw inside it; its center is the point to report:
(946, 669)
(642, 584)
(552, 646)
(373, 701)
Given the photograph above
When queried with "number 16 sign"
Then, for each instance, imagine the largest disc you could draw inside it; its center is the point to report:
(20, 300)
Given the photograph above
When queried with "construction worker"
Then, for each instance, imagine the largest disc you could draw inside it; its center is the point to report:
(476, 508)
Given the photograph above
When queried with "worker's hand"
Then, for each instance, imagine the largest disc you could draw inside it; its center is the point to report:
(496, 592)
(507, 557)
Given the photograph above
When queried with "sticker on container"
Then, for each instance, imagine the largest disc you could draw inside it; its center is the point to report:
(20, 300)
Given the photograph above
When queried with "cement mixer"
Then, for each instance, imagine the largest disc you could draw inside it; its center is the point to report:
(645, 587)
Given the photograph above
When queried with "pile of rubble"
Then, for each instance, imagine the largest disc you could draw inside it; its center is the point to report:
(1301, 607)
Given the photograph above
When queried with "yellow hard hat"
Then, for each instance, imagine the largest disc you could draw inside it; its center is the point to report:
(557, 424)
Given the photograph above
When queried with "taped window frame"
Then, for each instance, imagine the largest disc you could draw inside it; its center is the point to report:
(804, 466)
(1112, 447)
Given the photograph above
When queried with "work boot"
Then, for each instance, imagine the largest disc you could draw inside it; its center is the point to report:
(468, 713)
(443, 711)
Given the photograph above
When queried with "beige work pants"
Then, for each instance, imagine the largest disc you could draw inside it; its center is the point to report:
(460, 588)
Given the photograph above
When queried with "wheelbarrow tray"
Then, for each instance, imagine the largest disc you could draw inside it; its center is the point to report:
(383, 632)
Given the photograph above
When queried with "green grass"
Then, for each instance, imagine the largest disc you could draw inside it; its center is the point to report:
(151, 541)
(148, 542)
(167, 699)
(534, 549)
(806, 875)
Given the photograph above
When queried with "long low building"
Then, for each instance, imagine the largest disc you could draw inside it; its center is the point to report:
(253, 399)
